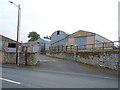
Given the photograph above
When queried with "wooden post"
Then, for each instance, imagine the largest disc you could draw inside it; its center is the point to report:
(62, 47)
(92, 46)
(77, 48)
(58, 48)
(66, 48)
(71, 47)
(49, 48)
(26, 56)
(103, 46)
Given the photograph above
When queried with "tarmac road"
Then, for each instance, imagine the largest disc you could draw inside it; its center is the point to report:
(56, 73)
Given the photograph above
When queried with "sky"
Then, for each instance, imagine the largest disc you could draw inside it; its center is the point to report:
(48, 16)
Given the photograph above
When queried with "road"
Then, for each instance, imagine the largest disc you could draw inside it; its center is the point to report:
(56, 73)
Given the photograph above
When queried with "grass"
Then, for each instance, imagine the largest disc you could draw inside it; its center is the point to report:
(82, 51)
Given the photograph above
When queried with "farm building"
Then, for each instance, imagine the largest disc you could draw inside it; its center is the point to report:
(82, 39)
(43, 44)
(7, 44)
(27, 45)
(59, 38)
(85, 39)
(39, 45)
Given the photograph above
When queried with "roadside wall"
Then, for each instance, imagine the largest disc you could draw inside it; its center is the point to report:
(108, 59)
(0, 56)
(10, 58)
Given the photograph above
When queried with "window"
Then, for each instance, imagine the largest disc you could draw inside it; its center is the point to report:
(38, 42)
(11, 45)
(58, 32)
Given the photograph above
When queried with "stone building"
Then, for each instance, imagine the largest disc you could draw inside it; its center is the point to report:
(7, 44)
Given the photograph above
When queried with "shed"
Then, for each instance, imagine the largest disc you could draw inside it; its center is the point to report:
(43, 44)
(59, 38)
(80, 38)
(7, 44)
(86, 39)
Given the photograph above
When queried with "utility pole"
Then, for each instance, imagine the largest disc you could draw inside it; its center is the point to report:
(18, 29)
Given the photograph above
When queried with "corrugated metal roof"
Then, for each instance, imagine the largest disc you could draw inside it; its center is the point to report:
(6, 38)
(61, 31)
(81, 33)
(42, 40)
(46, 39)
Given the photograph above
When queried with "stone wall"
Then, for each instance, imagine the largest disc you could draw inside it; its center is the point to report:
(108, 59)
(0, 56)
(10, 58)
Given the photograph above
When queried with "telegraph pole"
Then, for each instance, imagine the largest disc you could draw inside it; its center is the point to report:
(18, 29)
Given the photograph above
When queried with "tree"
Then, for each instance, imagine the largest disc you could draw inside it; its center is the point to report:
(48, 37)
(33, 36)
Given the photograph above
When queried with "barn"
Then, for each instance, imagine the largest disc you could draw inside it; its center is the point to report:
(39, 45)
(59, 38)
(44, 44)
(82, 39)
(85, 39)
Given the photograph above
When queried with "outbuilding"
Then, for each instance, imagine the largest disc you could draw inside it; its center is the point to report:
(7, 44)
(44, 44)
(88, 40)
(82, 39)
(59, 38)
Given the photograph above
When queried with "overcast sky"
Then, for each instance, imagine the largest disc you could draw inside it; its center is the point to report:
(47, 16)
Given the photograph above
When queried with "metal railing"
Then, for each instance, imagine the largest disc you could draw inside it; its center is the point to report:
(97, 46)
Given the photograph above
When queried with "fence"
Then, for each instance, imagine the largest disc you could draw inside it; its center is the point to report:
(97, 46)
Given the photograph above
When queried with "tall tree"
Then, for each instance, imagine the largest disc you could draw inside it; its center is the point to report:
(33, 36)
(48, 37)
